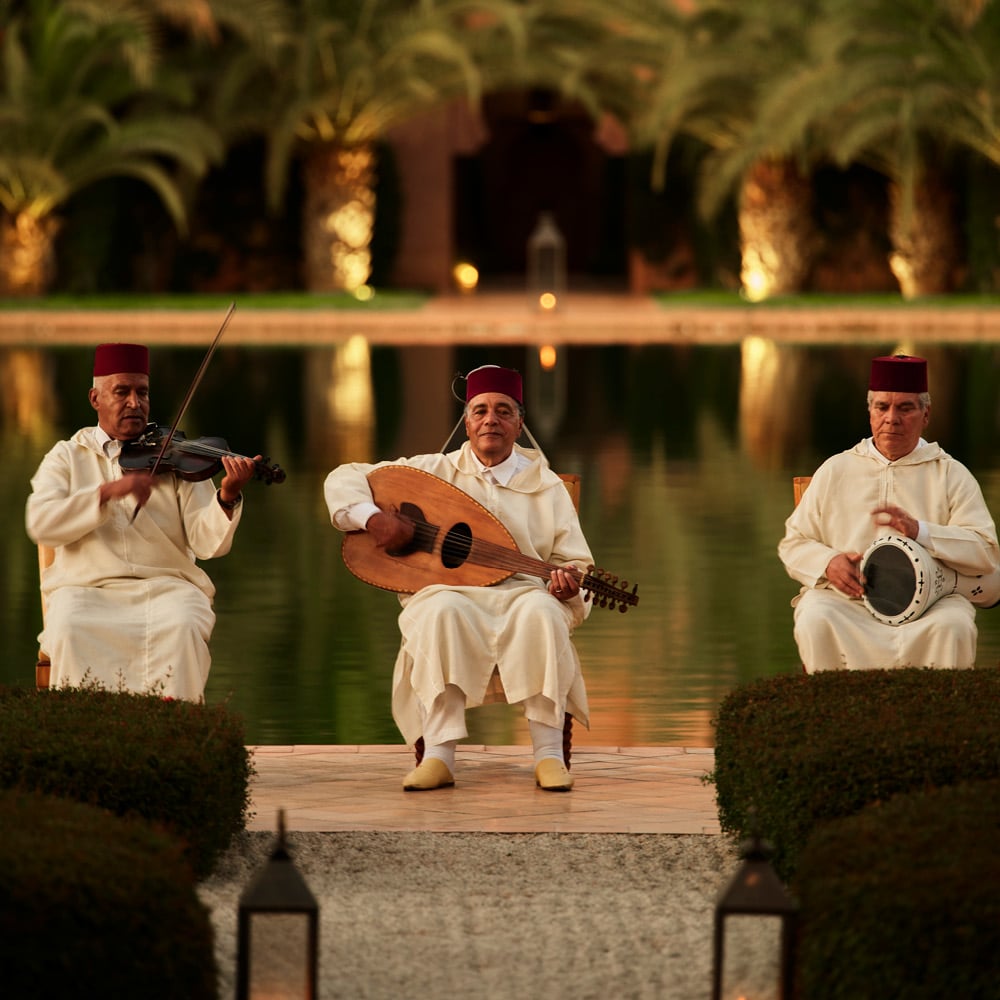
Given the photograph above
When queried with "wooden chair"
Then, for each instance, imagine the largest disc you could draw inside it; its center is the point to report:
(572, 484)
(43, 667)
(799, 484)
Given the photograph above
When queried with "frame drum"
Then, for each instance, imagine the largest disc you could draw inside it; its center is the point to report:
(902, 580)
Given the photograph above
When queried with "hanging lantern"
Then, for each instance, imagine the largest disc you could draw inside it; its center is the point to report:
(278, 933)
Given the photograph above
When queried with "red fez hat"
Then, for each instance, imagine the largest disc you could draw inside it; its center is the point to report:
(899, 373)
(493, 378)
(116, 359)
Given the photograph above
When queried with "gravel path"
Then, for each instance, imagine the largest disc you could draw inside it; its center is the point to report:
(455, 915)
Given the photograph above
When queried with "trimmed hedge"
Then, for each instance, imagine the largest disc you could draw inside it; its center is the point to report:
(93, 905)
(901, 900)
(794, 751)
(176, 763)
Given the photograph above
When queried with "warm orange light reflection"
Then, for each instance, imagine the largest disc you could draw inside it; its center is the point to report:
(547, 357)
(547, 301)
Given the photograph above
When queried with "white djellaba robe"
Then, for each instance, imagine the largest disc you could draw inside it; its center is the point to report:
(127, 607)
(511, 641)
(834, 632)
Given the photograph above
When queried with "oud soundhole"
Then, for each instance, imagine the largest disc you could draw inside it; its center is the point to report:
(457, 545)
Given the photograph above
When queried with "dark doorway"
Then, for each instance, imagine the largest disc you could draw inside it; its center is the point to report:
(540, 156)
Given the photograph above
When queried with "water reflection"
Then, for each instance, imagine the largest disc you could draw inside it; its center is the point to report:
(686, 454)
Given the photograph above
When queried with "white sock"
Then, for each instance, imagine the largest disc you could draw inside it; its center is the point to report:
(444, 752)
(546, 740)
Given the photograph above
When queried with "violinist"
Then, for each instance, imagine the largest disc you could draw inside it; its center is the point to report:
(127, 606)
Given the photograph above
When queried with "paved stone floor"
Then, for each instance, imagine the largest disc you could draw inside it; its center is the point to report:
(617, 790)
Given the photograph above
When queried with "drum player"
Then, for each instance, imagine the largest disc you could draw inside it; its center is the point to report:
(892, 482)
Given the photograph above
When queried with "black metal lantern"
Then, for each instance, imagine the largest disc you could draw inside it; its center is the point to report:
(753, 953)
(278, 935)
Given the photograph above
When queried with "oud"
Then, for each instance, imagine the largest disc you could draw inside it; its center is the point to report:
(456, 541)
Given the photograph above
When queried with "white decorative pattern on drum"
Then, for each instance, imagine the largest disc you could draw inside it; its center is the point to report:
(902, 580)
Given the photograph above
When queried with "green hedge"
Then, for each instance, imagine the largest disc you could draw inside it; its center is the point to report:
(94, 905)
(794, 751)
(903, 899)
(176, 763)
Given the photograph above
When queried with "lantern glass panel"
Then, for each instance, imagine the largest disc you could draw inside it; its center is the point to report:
(280, 961)
(752, 946)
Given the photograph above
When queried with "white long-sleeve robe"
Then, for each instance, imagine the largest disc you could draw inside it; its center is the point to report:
(515, 629)
(127, 606)
(835, 515)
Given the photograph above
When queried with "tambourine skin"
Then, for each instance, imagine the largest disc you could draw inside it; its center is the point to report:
(902, 579)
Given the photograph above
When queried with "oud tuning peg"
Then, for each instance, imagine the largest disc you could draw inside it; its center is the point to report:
(623, 608)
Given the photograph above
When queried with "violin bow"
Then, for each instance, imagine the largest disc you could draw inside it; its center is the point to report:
(192, 388)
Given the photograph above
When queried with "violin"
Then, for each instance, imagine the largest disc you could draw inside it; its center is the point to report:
(193, 460)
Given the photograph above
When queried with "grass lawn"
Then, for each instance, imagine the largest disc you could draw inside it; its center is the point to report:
(380, 300)
(719, 298)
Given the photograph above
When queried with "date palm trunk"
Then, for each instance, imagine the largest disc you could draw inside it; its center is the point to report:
(926, 255)
(776, 230)
(27, 254)
(338, 216)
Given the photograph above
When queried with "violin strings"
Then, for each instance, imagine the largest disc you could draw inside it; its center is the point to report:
(194, 448)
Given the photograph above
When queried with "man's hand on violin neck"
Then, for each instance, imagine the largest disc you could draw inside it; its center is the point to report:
(136, 484)
(239, 471)
(389, 530)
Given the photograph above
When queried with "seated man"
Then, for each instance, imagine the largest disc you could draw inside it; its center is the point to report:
(459, 641)
(127, 607)
(894, 481)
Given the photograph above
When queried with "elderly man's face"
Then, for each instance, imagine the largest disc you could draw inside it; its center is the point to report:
(897, 421)
(493, 423)
(122, 404)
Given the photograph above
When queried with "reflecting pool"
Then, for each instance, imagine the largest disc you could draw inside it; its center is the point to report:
(686, 455)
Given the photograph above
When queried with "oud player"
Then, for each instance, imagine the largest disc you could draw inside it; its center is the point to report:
(464, 646)
(127, 606)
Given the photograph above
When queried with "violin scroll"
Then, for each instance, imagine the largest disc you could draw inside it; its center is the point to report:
(268, 474)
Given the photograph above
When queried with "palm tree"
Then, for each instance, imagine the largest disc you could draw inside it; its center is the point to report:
(900, 85)
(708, 73)
(78, 104)
(348, 72)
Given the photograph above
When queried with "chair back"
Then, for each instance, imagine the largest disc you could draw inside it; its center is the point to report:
(799, 484)
(572, 483)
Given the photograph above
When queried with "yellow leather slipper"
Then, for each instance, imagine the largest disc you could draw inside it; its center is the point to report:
(430, 773)
(552, 775)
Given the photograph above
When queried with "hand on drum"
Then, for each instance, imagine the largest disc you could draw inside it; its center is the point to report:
(844, 572)
(897, 519)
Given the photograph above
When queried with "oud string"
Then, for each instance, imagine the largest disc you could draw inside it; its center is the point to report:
(499, 556)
